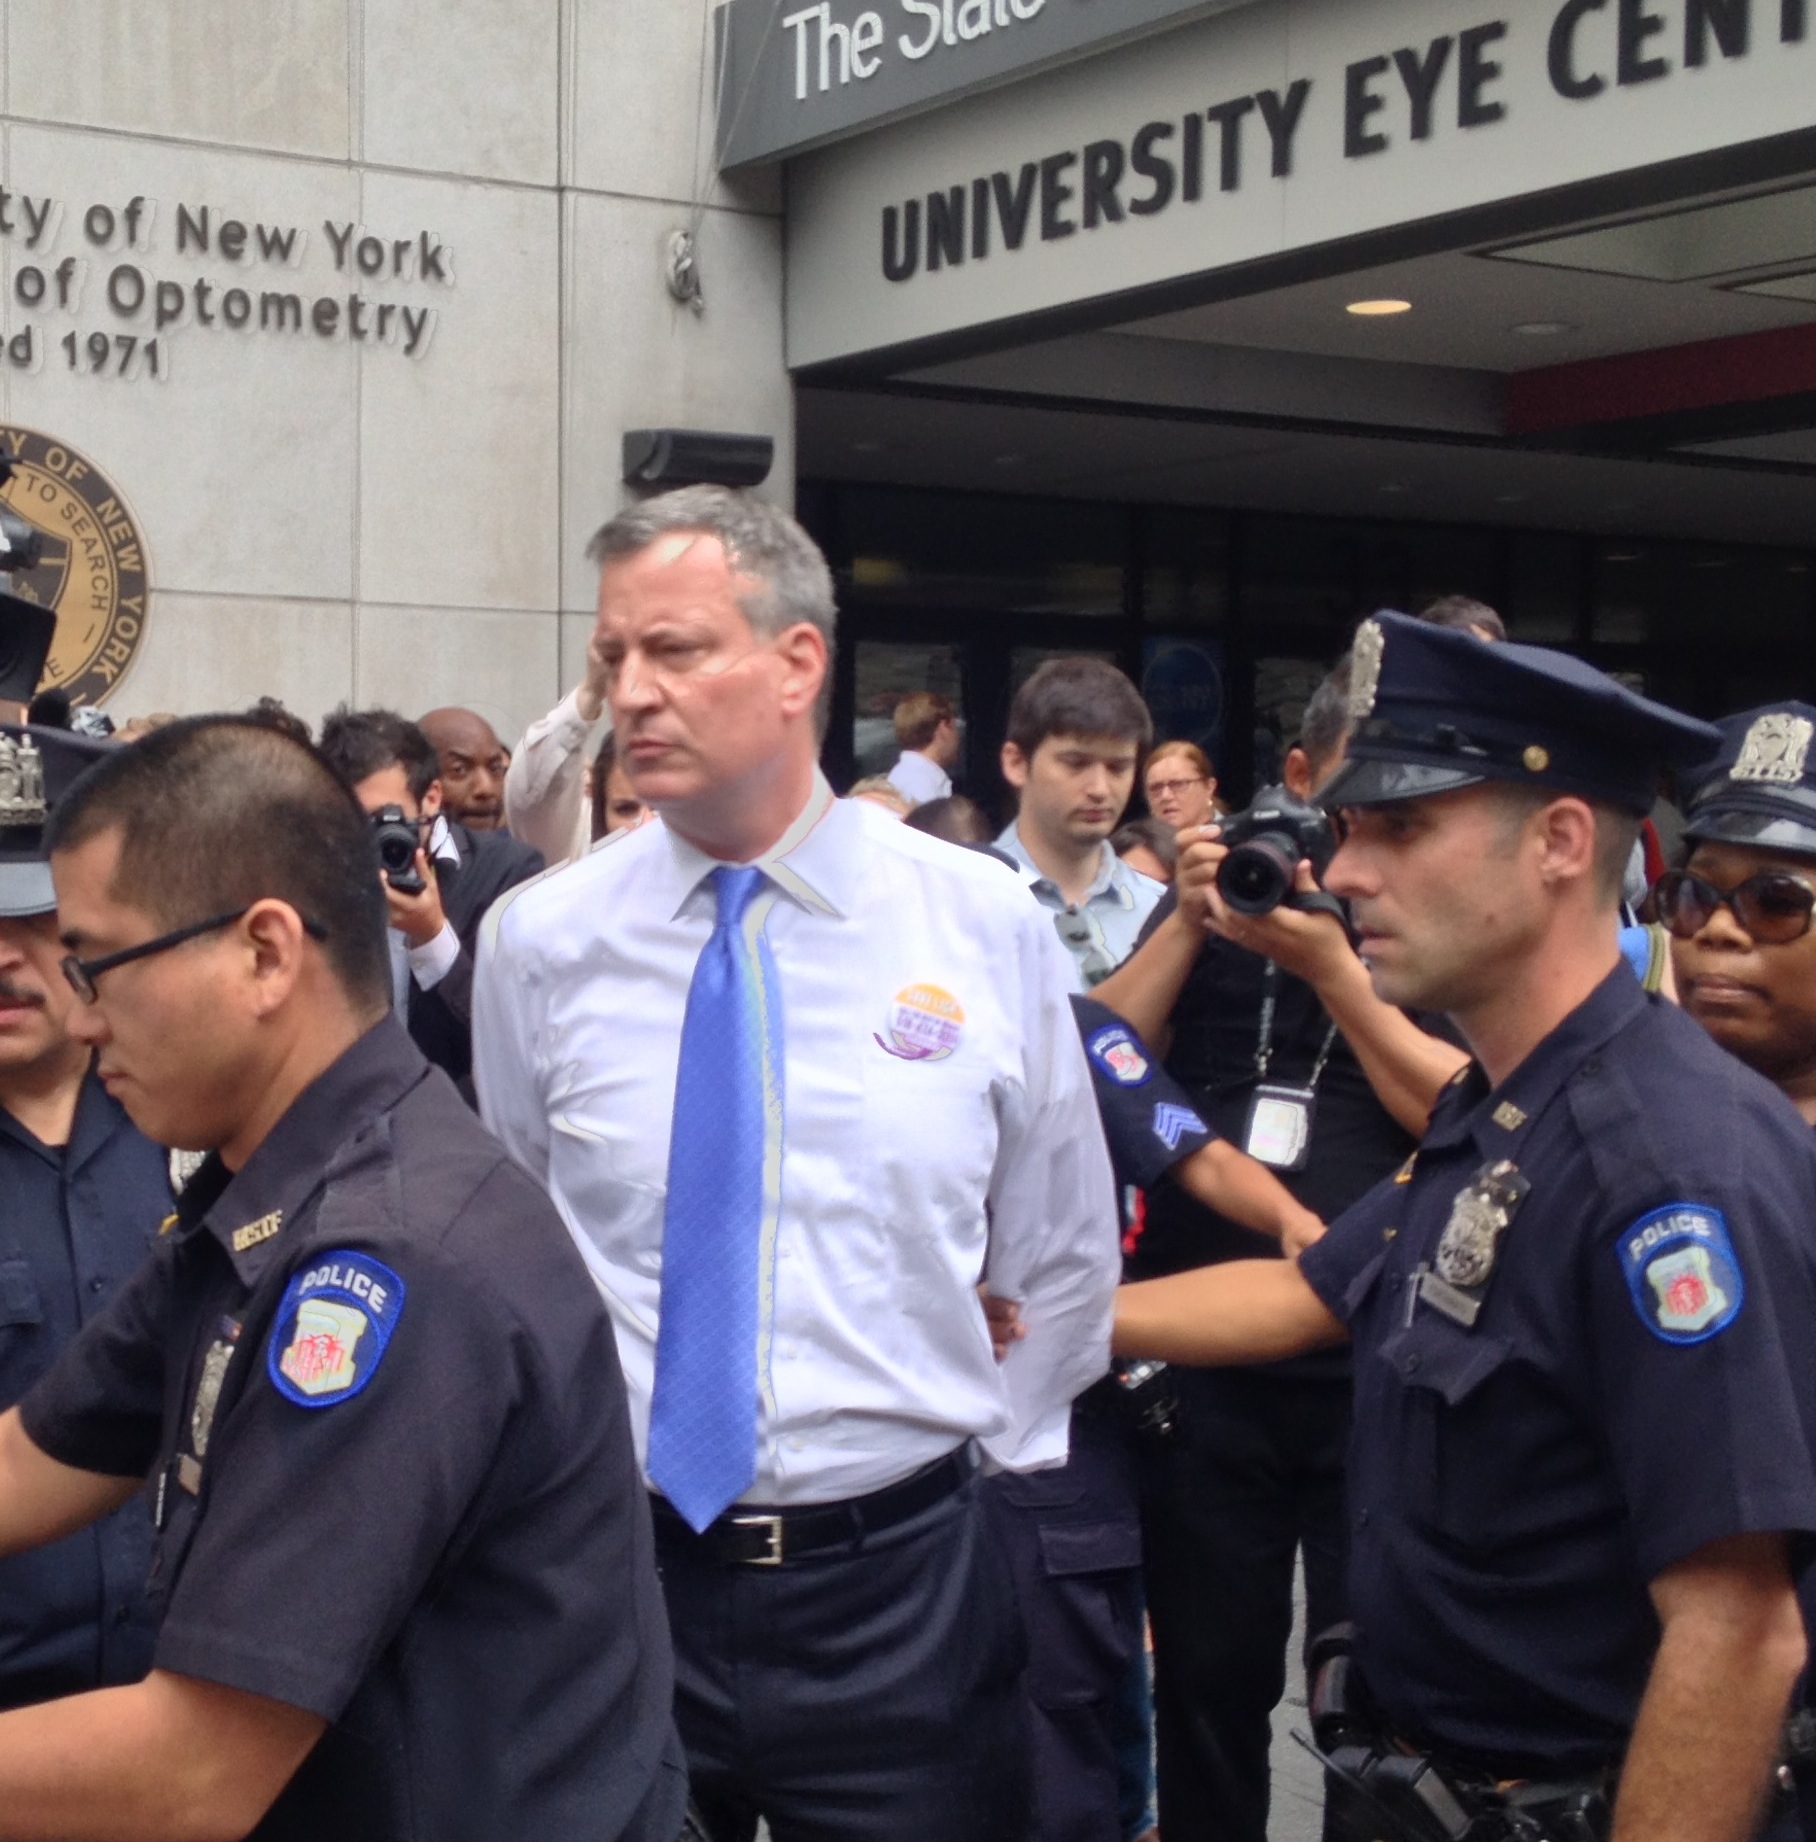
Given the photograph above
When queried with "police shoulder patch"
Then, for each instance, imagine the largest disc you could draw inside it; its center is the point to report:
(333, 1323)
(1117, 1050)
(1682, 1272)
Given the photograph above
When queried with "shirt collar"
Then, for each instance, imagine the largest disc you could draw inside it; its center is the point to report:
(815, 861)
(441, 846)
(247, 1211)
(96, 1119)
(1498, 1120)
(1112, 879)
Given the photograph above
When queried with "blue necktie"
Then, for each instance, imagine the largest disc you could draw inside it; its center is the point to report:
(723, 1178)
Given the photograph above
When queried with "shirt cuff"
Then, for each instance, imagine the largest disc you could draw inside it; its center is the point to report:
(431, 962)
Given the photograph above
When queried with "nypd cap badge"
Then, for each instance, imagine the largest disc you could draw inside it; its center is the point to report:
(1116, 1050)
(1682, 1273)
(333, 1324)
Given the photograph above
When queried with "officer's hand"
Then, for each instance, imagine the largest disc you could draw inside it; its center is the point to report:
(1298, 1231)
(1309, 946)
(1003, 1316)
(419, 918)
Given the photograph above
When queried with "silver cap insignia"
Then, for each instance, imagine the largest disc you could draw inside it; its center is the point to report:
(1775, 750)
(21, 782)
(1365, 657)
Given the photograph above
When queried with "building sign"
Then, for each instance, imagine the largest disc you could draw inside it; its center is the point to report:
(794, 75)
(1271, 130)
(111, 288)
(93, 569)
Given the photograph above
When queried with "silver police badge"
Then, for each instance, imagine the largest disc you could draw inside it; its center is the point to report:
(1775, 750)
(1365, 656)
(208, 1388)
(1478, 1219)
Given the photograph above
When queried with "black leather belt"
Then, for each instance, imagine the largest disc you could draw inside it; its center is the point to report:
(755, 1536)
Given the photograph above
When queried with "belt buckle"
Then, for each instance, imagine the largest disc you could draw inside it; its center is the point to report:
(773, 1526)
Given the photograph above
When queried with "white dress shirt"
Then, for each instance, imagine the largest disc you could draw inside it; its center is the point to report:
(917, 778)
(1102, 930)
(938, 1126)
(545, 803)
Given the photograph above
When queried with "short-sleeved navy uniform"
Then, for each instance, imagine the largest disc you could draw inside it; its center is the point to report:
(1149, 1121)
(380, 1405)
(1636, 1384)
(75, 1224)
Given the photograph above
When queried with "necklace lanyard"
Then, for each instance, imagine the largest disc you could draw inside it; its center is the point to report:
(1264, 1042)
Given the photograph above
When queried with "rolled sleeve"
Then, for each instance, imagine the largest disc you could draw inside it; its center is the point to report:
(1053, 1237)
(545, 784)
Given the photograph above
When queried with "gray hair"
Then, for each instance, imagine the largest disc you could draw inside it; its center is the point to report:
(759, 539)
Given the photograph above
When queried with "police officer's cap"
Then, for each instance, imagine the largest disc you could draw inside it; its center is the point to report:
(1760, 786)
(37, 766)
(1432, 709)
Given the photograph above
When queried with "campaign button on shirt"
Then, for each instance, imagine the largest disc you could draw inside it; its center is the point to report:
(333, 1326)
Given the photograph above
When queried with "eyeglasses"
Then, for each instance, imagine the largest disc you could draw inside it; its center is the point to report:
(1080, 930)
(1158, 788)
(1774, 906)
(82, 973)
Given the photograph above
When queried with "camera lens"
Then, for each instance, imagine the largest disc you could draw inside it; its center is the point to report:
(396, 847)
(1257, 876)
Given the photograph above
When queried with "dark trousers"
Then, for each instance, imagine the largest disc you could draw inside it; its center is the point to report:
(1073, 1538)
(865, 1694)
(1252, 1472)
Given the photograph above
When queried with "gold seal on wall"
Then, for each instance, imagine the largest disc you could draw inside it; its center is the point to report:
(93, 568)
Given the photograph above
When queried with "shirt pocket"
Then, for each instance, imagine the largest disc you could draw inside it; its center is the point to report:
(1461, 1473)
(20, 1305)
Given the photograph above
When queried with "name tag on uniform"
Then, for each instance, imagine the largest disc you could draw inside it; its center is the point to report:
(1279, 1130)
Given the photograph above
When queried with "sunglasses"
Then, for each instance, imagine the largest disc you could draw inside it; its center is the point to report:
(82, 973)
(1079, 931)
(1774, 906)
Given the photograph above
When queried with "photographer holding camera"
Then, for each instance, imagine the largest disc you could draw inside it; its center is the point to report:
(1246, 982)
(440, 876)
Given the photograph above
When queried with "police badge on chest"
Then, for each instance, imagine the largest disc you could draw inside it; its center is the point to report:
(1457, 1280)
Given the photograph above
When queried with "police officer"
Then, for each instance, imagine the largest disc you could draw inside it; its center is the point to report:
(1581, 1460)
(1739, 911)
(84, 1194)
(1073, 1534)
(404, 1562)
(1272, 1026)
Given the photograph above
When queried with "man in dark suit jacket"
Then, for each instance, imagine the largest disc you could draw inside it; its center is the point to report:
(388, 762)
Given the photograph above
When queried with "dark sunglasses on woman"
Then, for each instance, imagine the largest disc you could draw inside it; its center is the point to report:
(1773, 907)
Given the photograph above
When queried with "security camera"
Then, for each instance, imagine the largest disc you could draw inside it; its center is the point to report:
(692, 457)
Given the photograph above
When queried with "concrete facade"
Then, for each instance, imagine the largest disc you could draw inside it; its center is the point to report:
(329, 514)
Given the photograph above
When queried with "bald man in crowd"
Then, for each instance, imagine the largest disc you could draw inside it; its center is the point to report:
(473, 763)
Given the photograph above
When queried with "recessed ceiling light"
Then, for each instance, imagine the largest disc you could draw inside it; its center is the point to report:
(1377, 310)
(1544, 329)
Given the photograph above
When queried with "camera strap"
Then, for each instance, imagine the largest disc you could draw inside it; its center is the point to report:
(1279, 1128)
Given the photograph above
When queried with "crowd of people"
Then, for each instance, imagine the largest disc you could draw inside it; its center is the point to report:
(605, 1290)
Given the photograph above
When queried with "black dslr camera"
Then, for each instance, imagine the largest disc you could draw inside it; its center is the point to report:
(398, 840)
(1265, 845)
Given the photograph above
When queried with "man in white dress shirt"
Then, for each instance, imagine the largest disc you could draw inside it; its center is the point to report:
(799, 1079)
(926, 730)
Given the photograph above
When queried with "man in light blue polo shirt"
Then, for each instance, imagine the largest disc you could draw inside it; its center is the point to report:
(1077, 732)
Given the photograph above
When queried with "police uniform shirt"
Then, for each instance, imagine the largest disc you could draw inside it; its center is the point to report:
(78, 1220)
(386, 1432)
(936, 1120)
(1149, 1122)
(1635, 1384)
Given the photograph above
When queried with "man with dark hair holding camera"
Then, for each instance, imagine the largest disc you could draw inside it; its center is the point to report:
(440, 877)
(1269, 1021)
